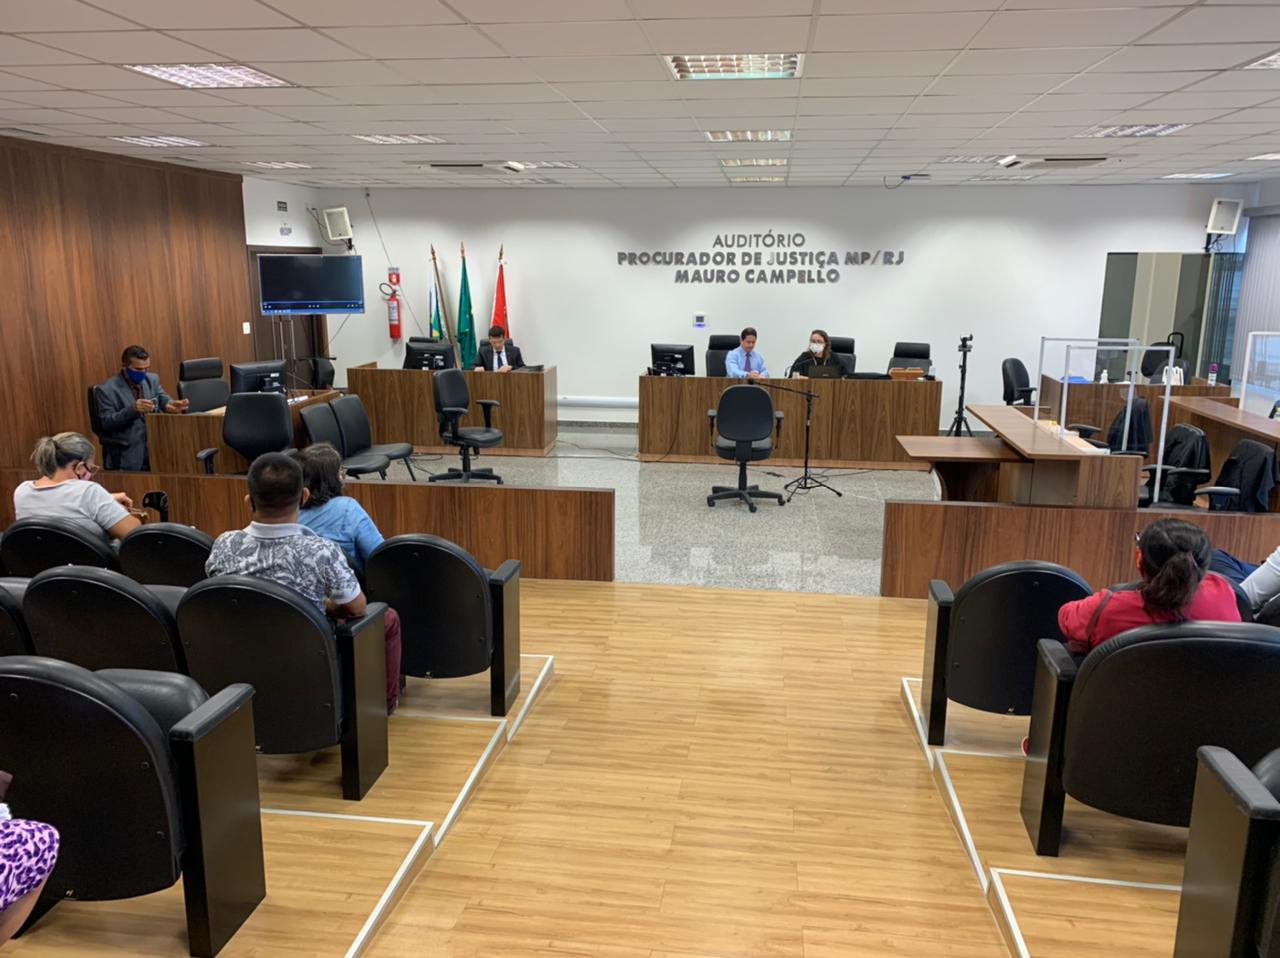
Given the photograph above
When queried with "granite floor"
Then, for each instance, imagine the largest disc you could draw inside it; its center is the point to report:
(665, 533)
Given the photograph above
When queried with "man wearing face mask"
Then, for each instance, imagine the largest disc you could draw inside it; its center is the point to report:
(127, 397)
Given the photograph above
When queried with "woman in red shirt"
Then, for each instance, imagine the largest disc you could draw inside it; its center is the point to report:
(1173, 559)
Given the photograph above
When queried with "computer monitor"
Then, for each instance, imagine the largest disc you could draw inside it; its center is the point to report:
(671, 360)
(265, 376)
(427, 354)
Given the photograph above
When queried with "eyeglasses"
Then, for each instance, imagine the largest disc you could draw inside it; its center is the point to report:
(91, 468)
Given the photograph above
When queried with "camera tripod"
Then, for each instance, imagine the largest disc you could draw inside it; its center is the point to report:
(806, 481)
(961, 422)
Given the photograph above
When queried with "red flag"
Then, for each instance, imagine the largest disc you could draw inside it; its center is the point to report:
(500, 300)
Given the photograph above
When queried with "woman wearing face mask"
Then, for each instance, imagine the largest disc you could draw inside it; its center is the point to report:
(66, 490)
(818, 354)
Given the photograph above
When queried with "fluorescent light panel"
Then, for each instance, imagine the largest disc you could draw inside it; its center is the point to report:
(208, 75)
(522, 165)
(1131, 129)
(755, 161)
(757, 179)
(748, 136)
(1266, 156)
(397, 139)
(277, 165)
(993, 158)
(159, 141)
(1194, 176)
(735, 66)
(1271, 62)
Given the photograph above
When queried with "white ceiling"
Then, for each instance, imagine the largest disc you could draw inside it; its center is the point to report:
(889, 86)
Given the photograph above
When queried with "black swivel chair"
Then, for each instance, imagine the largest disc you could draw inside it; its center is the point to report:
(322, 426)
(165, 553)
(147, 780)
(910, 356)
(1017, 384)
(456, 618)
(111, 446)
(453, 399)
(1230, 902)
(357, 434)
(980, 643)
(101, 619)
(742, 426)
(1140, 434)
(1158, 355)
(1120, 732)
(316, 685)
(254, 423)
(15, 638)
(1245, 481)
(200, 380)
(30, 546)
(718, 349)
(842, 350)
(1186, 464)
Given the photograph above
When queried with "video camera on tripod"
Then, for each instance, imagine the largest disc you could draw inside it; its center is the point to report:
(960, 422)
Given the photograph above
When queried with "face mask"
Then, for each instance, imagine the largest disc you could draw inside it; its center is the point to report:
(136, 376)
(815, 348)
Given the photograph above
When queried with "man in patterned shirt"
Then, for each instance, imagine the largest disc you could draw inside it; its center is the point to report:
(275, 546)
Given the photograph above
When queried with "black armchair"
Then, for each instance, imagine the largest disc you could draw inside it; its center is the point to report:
(165, 553)
(322, 426)
(30, 546)
(1017, 384)
(1140, 434)
(108, 758)
(200, 380)
(101, 619)
(745, 420)
(842, 350)
(910, 356)
(316, 685)
(253, 423)
(980, 643)
(456, 618)
(718, 349)
(453, 399)
(15, 637)
(1246, 479)
(357, 434)
(1120, 733)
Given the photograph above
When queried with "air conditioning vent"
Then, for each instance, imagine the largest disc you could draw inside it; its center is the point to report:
(1043, 164)
(477, 169)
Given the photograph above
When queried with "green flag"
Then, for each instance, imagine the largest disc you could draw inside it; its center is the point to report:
(436, 322)
(466, 321)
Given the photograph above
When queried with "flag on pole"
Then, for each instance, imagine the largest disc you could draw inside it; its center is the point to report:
(466, 321)
(435, 322)
(500, 299)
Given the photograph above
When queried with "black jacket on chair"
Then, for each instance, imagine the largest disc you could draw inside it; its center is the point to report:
(484, 358)
(1252, 469)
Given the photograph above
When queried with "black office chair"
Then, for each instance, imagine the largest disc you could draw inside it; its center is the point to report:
(1245, 480)
(316, 685)
(1230, 902)
(744, 421)
(453, 399)
(15, 638)
(718, 349)
(30, 546)
(456, 618)
(111, 446)
(147, 780)
(980, 643)
(322, 426)
(910, 356)
(1120, 732)
(1017, 384)
(101, 619)
(1153, 358)
(322, 371)
(200, 380)
(842, 350)
(254, 423)
(357, 434)
(1140, 434)
(165, 553)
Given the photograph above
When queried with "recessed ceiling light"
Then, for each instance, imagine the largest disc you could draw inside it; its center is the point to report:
(397, 139)
(1010, 160)
(159, 141)
(757, 179)
(1266, 156)
(755, 161)
(1131, 129)
(1266, 63)
(748, 136)
(735, 66)
(1194, 176)
(521, 165)
(971, 159)
(208, 75)
(278, 165)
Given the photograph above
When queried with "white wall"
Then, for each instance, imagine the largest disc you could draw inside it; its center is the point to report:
(1008, 264)
(264, 225)
(1269, 193)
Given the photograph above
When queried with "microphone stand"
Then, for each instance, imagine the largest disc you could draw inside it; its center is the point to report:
(806, 481)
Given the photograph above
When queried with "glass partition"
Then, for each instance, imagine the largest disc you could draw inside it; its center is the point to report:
(1260, 373)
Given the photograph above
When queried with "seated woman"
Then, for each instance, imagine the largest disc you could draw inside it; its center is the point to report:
(28, 852)
(66, 490)
(1173, 559)
(818, 354)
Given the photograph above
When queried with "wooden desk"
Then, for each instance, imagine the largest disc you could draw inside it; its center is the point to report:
(856, 422)
(1225, 425)
(968, 467)
(174, 440)
(402, 408)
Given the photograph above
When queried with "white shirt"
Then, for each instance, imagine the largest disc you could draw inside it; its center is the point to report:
(499, 358)
(80, 500)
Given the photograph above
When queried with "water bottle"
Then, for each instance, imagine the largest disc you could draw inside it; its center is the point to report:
(1213, 374)
(1104, 378)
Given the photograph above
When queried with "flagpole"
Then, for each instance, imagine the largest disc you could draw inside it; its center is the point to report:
(444, 306)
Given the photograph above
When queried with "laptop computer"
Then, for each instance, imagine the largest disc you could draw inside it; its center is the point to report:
(824, 372)
(530, 369)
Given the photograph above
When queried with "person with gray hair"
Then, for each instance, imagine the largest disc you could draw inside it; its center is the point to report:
(66, 490)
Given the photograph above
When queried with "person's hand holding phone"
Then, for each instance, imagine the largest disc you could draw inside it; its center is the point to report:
(144, 405)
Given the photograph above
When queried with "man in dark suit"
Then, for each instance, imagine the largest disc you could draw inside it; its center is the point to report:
(499, 354)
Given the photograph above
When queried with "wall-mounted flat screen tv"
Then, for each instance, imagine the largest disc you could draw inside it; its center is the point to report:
(311, 283)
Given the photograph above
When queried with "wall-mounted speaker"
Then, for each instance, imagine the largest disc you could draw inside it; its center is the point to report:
(337, 223)
(1224, 217)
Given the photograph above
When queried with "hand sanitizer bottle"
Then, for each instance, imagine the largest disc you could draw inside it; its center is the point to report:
(1213, 374)
(1104, 378)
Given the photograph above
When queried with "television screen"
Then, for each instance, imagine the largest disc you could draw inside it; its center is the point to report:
(311, 284)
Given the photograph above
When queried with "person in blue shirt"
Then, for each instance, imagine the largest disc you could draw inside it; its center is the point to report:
(744, 362)
(330, 514)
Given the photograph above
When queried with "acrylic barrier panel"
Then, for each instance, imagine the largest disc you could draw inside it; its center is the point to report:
(1261, 377)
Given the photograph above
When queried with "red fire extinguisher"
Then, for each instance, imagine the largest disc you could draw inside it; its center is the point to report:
(391, 289)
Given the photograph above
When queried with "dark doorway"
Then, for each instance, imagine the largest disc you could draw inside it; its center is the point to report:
(280, 337)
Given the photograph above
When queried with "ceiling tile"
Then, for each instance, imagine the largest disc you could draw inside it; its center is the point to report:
(448, 93)
(992, 62)
(1221, 25)
(127, 46)
(865, 86)
(374, 13)
(1068, 28)
(333, 73)
(933, 31)
(1013, 83)
(22, 16)
(1094, 82)
(1064, 102)
(569, 39)
(59, 99)
(1205, 56)
(225, 114)
(464, 70)
(556, 69)
(1241, 80)
(935, 120)
(172, 97)
(509, 11)
(272, 96)
(175, 15)
(275, 44)
(14, 51)
(760, 35)
(416, 42)
(606, 109)
(979, 103)
(864, 106)
(93, 77)
(11, 81)
(906, 63)
(1210, 100)
(674, 9)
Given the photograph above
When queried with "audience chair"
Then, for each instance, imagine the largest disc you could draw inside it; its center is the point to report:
(453, 399)
(1120, 731)
(1269, 614)
(165, 553)
(1018, 390)
(111, 446)
(101, 619)
(357, 434)
(15, 638)
(980, 643)
(322, 426)
(744, 421)
(253, 423)
(456, 618)
(718, 349)
(1231, 881)
(316, 685)
(1245, 480)
(200, 380)
(1140, 434)
(147, 780)
(842, 350)
(1186, 464)
(30, 546)
(910, 356)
